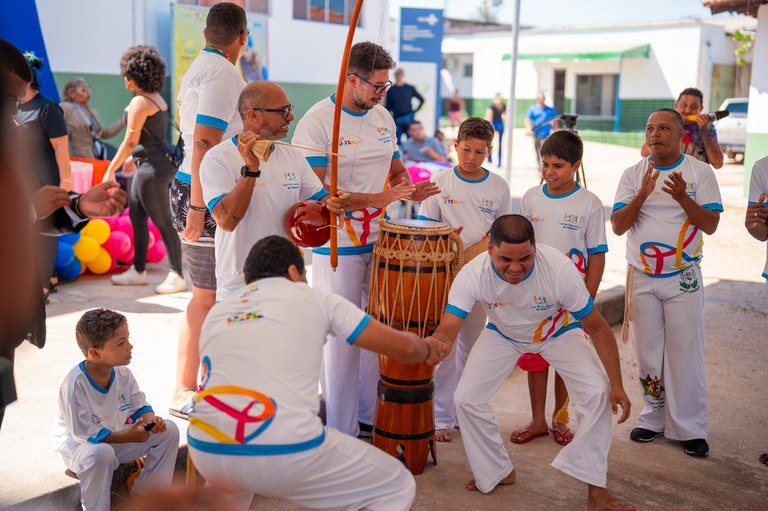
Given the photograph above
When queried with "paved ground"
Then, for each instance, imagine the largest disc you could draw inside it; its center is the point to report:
(655, 476)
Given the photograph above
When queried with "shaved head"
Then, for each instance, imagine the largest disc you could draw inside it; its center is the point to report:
(514, 229)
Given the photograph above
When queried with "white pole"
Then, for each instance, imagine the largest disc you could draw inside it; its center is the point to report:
(509, 129)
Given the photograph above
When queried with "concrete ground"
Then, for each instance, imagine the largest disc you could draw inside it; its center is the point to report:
(651, 476)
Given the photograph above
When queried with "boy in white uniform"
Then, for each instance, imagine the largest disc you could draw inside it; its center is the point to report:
(249, 197)
(756, 220)
(535, 298)
(207, 115)
(103, 418)
(664, 219)
(571, 219)
(373, 172)
(255, 427)
(470, 199)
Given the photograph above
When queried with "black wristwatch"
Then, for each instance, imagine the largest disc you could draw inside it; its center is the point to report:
(247, 173)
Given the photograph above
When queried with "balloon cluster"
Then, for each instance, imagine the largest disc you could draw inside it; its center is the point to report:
(101, 244)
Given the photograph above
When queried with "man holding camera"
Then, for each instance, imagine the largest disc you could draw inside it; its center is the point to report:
(538, 125)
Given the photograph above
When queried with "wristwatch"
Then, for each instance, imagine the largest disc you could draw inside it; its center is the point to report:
(247, 173)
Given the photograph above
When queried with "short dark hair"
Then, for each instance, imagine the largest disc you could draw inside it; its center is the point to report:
(144, 65)
(34, 62)
(224, 23)
(476, 127)
(96, 326)
(367, 57)
(692, 91)
(675, 114)
(271, 257)
(563, 144)
(13, 61)
(513, 229)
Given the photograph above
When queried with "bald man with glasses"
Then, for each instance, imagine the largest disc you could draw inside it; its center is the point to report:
(247, 197)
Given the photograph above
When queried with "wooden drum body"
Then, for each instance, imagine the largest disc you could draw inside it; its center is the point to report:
(414, 264)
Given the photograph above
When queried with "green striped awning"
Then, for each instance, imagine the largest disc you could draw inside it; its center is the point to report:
(596, 53)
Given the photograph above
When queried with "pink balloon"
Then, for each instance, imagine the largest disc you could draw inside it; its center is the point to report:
(125, 212)
(151, 240)
(113, 265)
(124, 225)
(112, 221)
(127, 259)
(154, 230)
(156, 252)
(118, 245)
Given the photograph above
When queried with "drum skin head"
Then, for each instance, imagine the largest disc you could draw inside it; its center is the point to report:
(421, 224)
(307, 224)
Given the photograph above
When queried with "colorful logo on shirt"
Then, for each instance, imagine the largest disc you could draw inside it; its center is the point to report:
(347, 141)
(95, 419)
(261, 409)
(385, 135)
(123, 403)
(570, 222)
(362, 219)
(577, 256)
(496, 305)
(656, 253)
(690, 190)
(240, 317)
(540, 303)
(447, 199)
(552, 325)
(534, 218)
(486, 206)
(291, 183)
(205, 373)
(689, 283)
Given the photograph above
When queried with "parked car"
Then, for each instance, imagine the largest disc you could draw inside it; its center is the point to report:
(732, 131)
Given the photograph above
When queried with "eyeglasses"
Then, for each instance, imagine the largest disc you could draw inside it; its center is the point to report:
(286, 110)
(377, 89)
(84, 88)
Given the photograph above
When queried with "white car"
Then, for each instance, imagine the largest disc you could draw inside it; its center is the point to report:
(732, 130)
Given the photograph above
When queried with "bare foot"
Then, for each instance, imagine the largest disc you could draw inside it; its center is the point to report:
(442, 435)
(562, 433)
(529, 432)
(182, 397)
(598, 499)
(510, 479)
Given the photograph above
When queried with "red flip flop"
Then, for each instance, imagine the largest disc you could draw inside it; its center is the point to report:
(561, 433)
(534, 435)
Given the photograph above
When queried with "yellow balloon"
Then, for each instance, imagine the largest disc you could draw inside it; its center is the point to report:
(97, 229)
(87, 249)
(102, 263)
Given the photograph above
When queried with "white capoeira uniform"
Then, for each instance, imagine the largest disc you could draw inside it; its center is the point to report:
(473, 204)
(286, 178)
(758, 184)
(538, 315)
(87, 414)
(368, 142)
(663, 250)
(255, 428)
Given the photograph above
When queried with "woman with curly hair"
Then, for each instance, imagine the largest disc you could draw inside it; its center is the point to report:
(143, 69)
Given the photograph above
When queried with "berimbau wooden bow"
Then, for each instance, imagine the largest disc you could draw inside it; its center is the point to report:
(336, 125)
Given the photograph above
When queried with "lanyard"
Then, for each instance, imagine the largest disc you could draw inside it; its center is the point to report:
(212, 49)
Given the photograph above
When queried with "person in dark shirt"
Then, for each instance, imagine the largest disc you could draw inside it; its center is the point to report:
(399, 102)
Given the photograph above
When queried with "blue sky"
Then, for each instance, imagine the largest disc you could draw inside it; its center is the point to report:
(574, 12)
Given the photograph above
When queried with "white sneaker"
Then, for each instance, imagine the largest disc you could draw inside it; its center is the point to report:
(130, 277)
(173, 283)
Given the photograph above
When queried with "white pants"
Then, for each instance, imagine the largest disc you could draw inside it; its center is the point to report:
(349, 374)
(449, 371)
(490, 362)
(342, 473)
(668, 334)
(95, 463)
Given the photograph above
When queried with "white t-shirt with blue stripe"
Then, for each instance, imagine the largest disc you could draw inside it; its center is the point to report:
(537, 309)
(368, 144)
(473, 204)
(208, 95)
(88, 413)
(260, 349)
(573, 223)
(286, 178)
(663, 242)
(758, 184)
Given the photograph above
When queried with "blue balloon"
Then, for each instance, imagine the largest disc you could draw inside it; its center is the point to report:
(72, 271)
(70, 239)
(64, 256)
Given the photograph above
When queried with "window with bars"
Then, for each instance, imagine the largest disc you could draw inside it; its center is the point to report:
(325, 11)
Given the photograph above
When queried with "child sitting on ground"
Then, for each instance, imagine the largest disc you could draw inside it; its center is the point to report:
(103, 418)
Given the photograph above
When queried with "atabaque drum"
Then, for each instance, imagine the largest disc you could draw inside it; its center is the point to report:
(414, 263)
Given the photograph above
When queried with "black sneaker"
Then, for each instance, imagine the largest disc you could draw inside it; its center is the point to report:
(697, 447)
(644, 435)
(366, 430)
